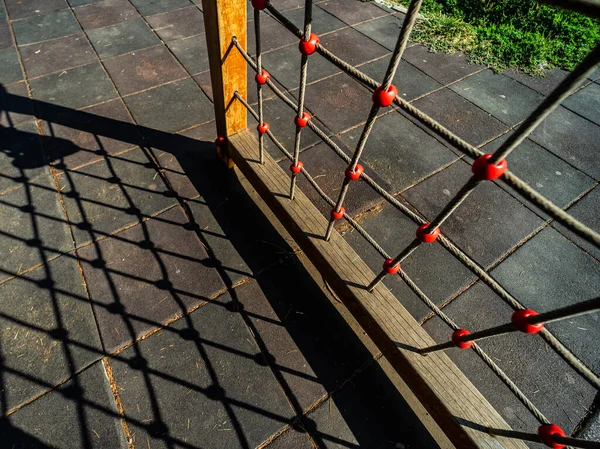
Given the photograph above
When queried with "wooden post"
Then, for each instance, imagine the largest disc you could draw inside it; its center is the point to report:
(224, 19)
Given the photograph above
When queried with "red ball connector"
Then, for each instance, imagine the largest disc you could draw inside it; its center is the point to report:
(356, 174)
(547, 433)
(389, 268)
(259, 4)
(263, 128)
(308, 47)
(485, 170)
(383, 98)
(337, 215)
(519, 320)
(457, 339)
(301, 122)
(295, 169)
(425, 236)
(262, 77)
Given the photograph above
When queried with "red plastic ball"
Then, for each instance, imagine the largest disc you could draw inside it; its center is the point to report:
(519, 320)
(301, 122)
(338, 215)
(487, 171)
(355, 175)
(263, 128)
(219, 141)
(547, 432)
(259, 4)
(424, 236)
(309, 46)
(457, 339)
(389, 268)
(262, 77)
(295, 169)
(384, 98)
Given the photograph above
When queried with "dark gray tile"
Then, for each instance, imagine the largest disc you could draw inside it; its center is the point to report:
(171, 107)
(105, 13)
(56, 54)
(82, 2)
(203, 80)
(461, 117)
(352, 11)
(150, 7)
(291, 438)
(504, 98)
(10, 67)
(586, 102)
(178, 24)
(585, 210)
(542, 84)
(2, 12)
(560, 394)
(487, 225)
(192, 53)
(384, 31)
(17, 107)
(147, 276)
(440, 66)
(110, 195)
(322, 22)
(557, 134)
(19, 8)
(31, 217)
(207, 384)
(6, 39)
(122, 38)
(273, 36)
(143, 69)
(41, 28)
(415, 153)
(591, 428)
(362, 49)
(80, 413)
(73, 88)
(48, 329)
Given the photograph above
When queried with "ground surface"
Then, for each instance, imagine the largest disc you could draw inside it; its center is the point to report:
(147, 301)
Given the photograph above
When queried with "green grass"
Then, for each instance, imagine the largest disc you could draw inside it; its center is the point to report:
(501, 34)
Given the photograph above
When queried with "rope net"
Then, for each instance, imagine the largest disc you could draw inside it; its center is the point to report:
(486, 167)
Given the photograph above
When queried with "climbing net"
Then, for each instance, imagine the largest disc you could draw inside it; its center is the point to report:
(486, 167)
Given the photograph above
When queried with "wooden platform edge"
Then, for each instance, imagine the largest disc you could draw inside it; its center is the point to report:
(455, 404)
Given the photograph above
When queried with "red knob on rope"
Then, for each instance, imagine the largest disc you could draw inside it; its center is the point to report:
(425, 236)
(259, 4)
(308, 47)
(547, 433)
(295, 169)
(519, 320)
(337, 215)
(355, 175)
(457, 339)
(301, 122)
(263, 128)
(384, 98)
(485, 170)
(389, 268)
(262, 77)
(219, 141)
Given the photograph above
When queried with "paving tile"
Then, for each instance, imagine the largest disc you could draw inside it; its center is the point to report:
(21, 155)
(122, 38)
(362, 49)
(586, 102)
(56, 55)
(203, 80)
(16, 104)
(23, 230)
(143, 69)
(208, 374)
(322, 22)
(105, 13)
(460, 116)
(560, 394)
(82, 2)
(351, 12)
(291, 438)
(440, 66)
(41, 28)
(19, 9)
(504, 98)
(147, 276)
(191, 53)
(2, 12)
(6, 39)
(151, 7)
(177, 24)
(367, 412)
(570, 136)
(112, 194)
(542, 84)
(74, 88)
(48, 328)
(552, 177)
(384, 31)
(487, 225)
(273, 36)
(10, 67)
(416, 154)
(75, 138)
(171, 107)
(328, 97)
(584, 210)
(591, 428)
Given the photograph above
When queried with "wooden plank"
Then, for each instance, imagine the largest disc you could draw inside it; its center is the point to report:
(441, 387)
(224, 19)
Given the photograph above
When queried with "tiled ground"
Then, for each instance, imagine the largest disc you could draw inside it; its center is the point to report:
(136, 309)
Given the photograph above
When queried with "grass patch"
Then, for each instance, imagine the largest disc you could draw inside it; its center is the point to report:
(501, 34)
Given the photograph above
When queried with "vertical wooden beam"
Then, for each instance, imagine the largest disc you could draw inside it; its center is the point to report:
(224, 19)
